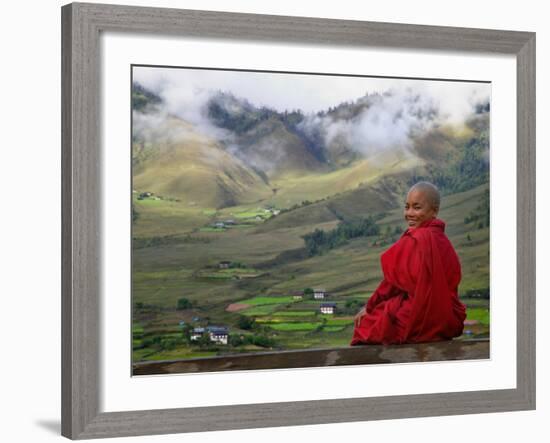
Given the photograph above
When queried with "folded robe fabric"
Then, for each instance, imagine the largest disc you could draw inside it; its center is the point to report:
(417, 300)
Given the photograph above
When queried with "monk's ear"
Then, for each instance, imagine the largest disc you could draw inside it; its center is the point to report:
(436, 210)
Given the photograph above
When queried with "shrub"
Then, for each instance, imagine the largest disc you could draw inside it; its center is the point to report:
(183, 303)
(246, 323)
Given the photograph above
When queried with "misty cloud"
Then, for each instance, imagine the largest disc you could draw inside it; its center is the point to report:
(390, 111)
(268, 153)
(309, 93)
(386, 121)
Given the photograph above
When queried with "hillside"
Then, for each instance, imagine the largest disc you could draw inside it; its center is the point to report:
(278, 266)
(185, 165)
(271, 148)
(238, 208)
(248, 155)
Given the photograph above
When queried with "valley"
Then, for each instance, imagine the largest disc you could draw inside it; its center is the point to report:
(220, 215)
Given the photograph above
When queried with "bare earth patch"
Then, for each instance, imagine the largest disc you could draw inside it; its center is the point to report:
(234, 307)
(471, 322)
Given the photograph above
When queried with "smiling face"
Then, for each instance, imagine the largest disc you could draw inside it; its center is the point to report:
(418, 208)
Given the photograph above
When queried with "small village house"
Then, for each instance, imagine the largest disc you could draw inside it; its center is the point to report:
(328, 308)
(197, 333)
(218, 334)
(224, 264)
(319, 293)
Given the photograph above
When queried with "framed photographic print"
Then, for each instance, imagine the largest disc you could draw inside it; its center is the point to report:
(237, 187)
(257, 227)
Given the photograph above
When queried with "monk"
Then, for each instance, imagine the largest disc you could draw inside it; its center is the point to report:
(417, 300)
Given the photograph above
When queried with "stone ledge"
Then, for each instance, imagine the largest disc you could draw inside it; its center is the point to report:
(352, 355)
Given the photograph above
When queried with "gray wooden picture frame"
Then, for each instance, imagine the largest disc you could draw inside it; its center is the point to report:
(82, 24)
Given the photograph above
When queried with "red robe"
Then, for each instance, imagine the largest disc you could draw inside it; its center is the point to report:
(417, 301)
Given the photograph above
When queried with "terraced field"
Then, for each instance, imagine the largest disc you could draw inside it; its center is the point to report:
(268, 267)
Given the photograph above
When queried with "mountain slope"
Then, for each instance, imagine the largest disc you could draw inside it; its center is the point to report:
(271, 148)
(178, 162)
(242, 154)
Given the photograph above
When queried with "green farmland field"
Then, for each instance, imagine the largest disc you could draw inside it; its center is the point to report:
(178, 257)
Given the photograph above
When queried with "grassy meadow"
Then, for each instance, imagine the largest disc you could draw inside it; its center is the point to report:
(177, 251)
(243, 205)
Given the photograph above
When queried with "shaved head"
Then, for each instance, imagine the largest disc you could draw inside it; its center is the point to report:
(422, 204)
(430, 191)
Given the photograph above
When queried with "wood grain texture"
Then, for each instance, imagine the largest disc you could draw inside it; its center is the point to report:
(358, 355)
(66, 217)
(526, 235)
(261, 415)
(80, 221)
(301, 30)
(81, 205)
